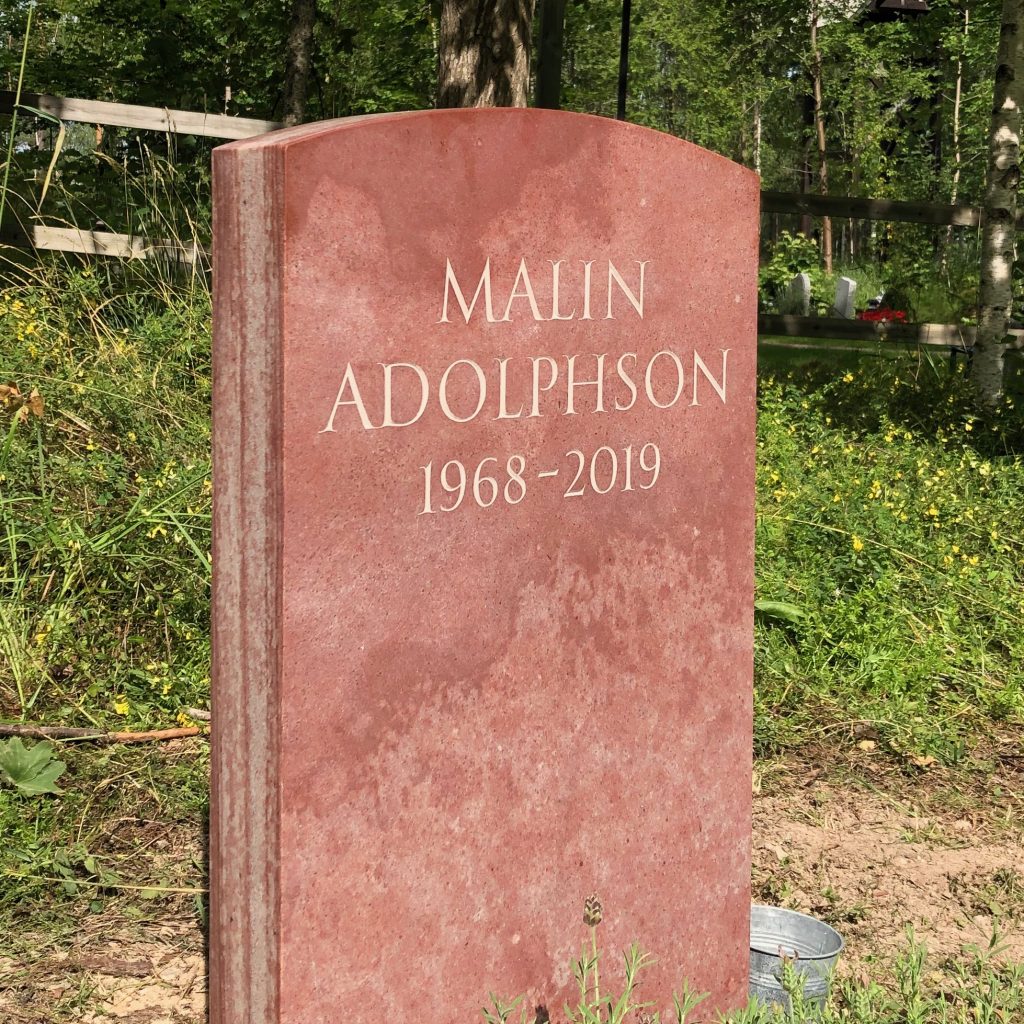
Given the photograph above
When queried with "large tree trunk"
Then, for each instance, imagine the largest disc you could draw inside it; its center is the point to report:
(484, 56)
(1000, 210)
(299, 60)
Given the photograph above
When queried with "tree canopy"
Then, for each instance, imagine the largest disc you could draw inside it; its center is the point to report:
(905, 103)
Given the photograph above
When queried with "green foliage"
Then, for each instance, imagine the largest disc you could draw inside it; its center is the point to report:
(500, 1012)
(731, 77)
(76, 869)
(889, 515)
(91, 849)
(979, 988)
(779, 610)
(31, 770)
(593, 1008)
(792, 255)
(376, 58)
(892, 514)
(105, 500)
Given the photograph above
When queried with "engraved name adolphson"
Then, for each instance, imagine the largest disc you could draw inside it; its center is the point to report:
(523, 387)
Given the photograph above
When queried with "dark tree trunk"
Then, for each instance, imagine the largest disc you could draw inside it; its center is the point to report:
(484, 58)
(549, 54)
(299, 60)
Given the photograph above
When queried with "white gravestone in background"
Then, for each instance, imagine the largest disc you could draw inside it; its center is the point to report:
(846, 293)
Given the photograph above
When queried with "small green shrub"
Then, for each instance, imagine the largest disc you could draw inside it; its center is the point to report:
(792, 255)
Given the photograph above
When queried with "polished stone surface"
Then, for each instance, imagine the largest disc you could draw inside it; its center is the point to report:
(483, 625)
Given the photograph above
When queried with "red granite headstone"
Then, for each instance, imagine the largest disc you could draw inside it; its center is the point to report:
(484, 476)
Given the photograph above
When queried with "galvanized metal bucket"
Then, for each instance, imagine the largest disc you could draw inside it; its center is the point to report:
(810, 946)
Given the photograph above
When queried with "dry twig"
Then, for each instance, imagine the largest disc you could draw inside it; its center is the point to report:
(52, 732)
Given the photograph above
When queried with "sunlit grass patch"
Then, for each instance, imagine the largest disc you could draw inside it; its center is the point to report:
(104, 499)
(893, 515)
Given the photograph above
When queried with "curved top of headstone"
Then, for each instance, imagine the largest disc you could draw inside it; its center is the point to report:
(566, 124)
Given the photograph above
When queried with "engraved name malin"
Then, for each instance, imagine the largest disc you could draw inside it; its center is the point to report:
(525, 387)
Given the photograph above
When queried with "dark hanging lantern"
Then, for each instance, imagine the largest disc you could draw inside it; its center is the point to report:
(890, 10)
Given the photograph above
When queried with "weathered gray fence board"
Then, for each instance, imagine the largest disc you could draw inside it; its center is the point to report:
(938, 335)
(98, 243)
(838, 327)
(124, 115)
(870, 209)
(186, 122)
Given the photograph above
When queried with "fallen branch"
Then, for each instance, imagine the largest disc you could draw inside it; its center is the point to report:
(53, 732)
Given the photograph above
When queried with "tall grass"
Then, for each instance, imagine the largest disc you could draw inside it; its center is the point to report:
(105, 499)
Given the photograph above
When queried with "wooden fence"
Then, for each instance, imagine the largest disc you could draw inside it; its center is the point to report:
(955, 338)
(124, 115)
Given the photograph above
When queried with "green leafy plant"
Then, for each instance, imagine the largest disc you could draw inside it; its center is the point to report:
(779, 610)
(792, 255)
(981, 989)
(31, 770)
(593, 1007)
(499, 1012)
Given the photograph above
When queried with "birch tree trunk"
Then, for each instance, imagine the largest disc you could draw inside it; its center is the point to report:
(484, 58)
(757, 135)
(299, 60)
(819, 128)
(954, 192)
(1000, 210)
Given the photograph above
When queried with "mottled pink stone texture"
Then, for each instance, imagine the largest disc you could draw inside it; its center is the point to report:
(436, 732)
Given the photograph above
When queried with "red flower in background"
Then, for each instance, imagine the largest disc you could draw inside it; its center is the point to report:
(883, 315)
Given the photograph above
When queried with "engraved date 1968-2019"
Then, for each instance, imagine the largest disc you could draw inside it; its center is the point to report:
(449, 486)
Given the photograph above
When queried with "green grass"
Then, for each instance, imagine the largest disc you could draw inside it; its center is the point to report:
(71, 856)
(894, 518)
(887, 512)
(889, 515)
(105, 499)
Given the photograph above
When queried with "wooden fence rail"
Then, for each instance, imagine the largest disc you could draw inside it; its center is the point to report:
(99, 243)
(124, 115)
(219, 126)
(956, 336)
(859, 208)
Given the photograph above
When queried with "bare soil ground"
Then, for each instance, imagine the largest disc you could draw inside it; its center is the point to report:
(873, 852)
